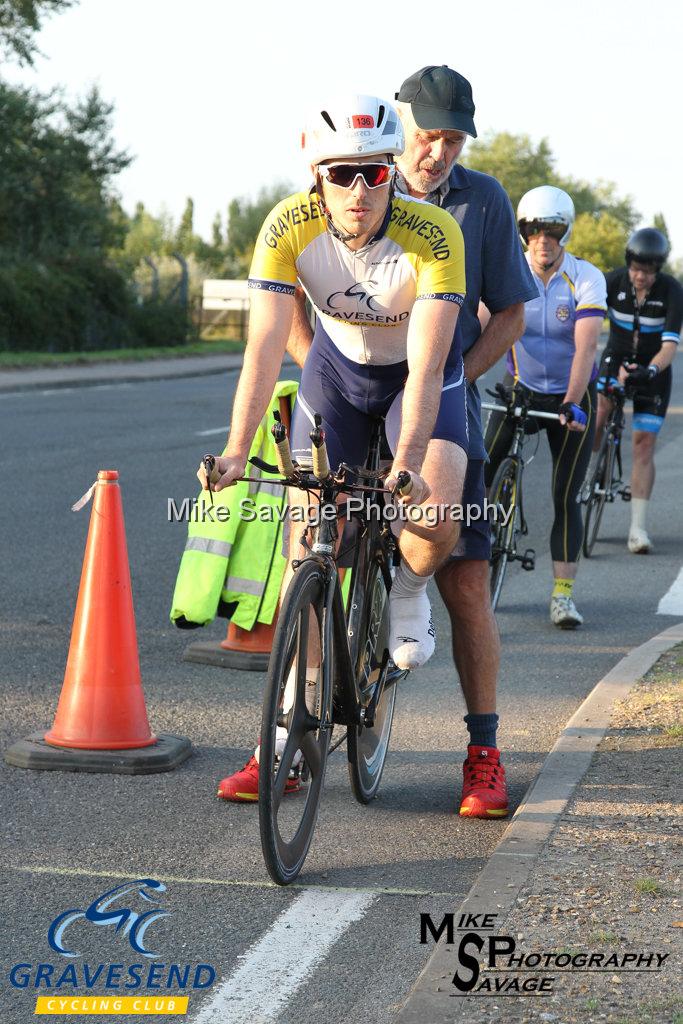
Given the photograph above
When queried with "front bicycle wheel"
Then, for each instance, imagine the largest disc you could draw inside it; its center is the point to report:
(504, 494)
(368, 626)
(296, 723)
(598, 487)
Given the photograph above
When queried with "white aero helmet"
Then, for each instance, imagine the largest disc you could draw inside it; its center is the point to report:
(546, 204)
(353, 126)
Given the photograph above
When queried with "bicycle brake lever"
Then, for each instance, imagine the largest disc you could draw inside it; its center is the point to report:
(209, 463)
(403, 485)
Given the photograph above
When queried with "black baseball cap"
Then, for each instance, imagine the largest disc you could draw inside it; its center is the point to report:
(440, 100)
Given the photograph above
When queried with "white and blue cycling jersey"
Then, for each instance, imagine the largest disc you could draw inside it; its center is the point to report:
(542, 358)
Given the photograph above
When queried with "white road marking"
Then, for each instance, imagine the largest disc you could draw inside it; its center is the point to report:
(672, 602)
(279, 963)
(216, 430)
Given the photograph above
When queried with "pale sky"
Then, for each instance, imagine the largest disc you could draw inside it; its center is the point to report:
(210, 96)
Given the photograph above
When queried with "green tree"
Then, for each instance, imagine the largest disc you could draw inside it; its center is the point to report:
(145, 235)
(245, 218)
(520, 165)
(514, 160)
(186, 242)
(217, 233)
(659, 222)
(600, 239)
(600, 198)
(20, 21)
(58, 165)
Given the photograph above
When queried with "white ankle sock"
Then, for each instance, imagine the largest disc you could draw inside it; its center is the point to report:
(639, 513)
(407, 583)
(411, 640)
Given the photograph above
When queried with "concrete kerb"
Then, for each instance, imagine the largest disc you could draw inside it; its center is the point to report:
(117, 373)
(499, 884)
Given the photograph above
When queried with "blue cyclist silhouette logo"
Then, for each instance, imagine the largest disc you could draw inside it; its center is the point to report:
(126, 920)
(356, 291)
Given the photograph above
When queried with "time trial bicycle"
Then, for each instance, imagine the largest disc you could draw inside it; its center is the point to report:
(329, 664)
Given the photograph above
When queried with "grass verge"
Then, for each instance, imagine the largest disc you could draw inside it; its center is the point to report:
(34, 360)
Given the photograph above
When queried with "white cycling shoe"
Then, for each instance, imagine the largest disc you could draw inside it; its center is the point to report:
(564, 613)
(412, 637)
(638, 541)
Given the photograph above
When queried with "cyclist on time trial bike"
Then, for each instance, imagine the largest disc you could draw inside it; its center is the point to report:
(555, 360)
(386, 277)
(645, 311)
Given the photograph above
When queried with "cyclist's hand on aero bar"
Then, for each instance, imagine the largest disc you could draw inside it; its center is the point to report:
(224, 471)
(572, 416)
(417, 491)
(638, 375)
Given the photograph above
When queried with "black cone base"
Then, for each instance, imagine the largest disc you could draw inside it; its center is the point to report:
(165, 755)
(207, 653)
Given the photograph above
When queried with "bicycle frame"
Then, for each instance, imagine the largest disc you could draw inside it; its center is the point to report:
(517, 408)
(614, 428)
(347, 707)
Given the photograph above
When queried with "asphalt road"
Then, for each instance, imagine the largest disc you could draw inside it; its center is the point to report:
(67, 838)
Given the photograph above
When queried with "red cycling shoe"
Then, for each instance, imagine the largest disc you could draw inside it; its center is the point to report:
(242, 787)
(484, 792)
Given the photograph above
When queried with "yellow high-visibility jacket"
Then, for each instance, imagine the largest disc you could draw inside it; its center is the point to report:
(236, 555)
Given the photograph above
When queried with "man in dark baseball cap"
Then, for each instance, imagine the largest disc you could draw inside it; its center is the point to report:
(436, 108)
(440, 100)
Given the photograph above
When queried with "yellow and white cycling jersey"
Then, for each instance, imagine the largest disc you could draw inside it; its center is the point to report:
(363, 299)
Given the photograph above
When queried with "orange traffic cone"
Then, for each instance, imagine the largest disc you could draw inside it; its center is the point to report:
(101, 722)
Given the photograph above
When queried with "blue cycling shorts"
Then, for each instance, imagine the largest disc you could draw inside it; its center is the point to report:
(350, 396)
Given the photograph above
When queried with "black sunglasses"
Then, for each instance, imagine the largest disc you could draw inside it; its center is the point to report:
(529, 228)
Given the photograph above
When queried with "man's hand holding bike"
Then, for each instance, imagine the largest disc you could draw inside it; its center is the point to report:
(225, 471)
(413, 492)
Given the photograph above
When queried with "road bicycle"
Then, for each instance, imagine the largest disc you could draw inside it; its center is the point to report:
(329, 664)
(606, 481)
(505, 492)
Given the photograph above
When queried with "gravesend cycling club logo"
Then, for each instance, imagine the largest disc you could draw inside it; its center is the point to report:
(124, 916)
(126, 921)
(491, 964)
(562, 313)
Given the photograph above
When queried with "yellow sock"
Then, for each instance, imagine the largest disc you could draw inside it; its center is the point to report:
(562, 588)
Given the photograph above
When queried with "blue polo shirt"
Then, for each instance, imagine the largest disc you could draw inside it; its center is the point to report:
(495, 268)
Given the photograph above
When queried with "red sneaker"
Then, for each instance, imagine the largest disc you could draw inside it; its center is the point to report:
(242, 787)
(484, 793)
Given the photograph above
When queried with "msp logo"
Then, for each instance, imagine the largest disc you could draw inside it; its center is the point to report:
(491, 964)
(100, 912)
(562, 313)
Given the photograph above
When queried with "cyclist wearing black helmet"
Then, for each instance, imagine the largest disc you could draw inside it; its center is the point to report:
(646, 311)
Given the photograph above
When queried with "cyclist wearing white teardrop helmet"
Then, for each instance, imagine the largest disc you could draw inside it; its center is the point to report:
(555, 360)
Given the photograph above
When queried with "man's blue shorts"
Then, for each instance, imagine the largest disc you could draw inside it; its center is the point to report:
(350, 396)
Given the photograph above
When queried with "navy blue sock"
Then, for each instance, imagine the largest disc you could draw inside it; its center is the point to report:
(482, 729)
